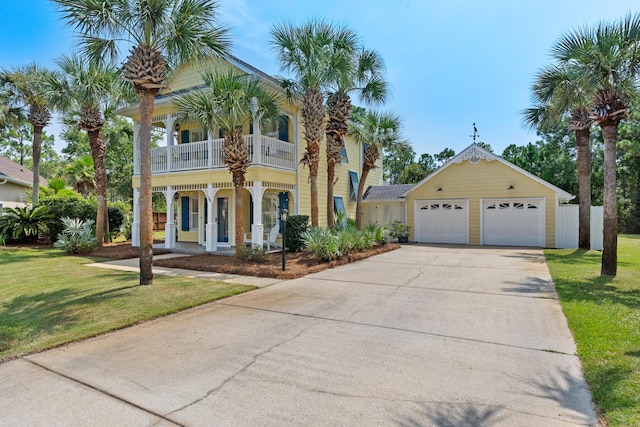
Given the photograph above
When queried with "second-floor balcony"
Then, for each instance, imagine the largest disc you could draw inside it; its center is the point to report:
(208, 154)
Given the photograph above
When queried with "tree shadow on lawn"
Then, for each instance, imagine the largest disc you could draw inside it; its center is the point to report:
(47, 313)
(596, 288)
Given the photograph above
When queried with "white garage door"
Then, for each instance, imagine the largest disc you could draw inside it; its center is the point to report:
(513, 222)
(441, 221)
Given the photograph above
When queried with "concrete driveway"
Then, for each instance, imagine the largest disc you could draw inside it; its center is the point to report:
(421, 336)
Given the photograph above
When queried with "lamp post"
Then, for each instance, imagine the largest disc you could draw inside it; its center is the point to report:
(283, 217)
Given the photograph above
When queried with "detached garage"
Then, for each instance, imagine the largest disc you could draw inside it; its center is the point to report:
(478, 198)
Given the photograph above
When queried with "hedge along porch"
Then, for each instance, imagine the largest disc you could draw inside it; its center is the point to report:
(478, 198)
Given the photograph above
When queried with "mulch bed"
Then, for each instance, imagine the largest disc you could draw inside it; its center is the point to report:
(122, 250)
(298, 264)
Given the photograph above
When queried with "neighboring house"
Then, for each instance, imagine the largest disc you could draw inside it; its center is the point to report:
(477, 198)
(15, 180)
(188, 170)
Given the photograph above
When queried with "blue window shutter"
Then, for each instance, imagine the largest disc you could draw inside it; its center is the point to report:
(353, 185)
(184, 138)
(185, 214)
(250, 209)
(343, 155)
(338, 207)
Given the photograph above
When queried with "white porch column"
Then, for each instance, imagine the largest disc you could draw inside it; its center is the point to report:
(211, 229)
(257, 137)
(136, 148)
(168, 124)
(210, 149)
(170, 226)
(257, 228)
(135, 227)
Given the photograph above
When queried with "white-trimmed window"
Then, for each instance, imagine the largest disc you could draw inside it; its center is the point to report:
(269, 211)
(194, 210)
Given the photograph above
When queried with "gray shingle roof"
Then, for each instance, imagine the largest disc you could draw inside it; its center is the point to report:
(386, 192)
(12, 170)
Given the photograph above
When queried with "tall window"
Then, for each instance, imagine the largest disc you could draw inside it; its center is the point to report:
(193, 214)
(269, 211)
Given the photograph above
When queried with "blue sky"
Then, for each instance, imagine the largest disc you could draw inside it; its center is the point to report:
(450, 64)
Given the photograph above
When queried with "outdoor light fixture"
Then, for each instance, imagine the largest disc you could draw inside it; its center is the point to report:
(511, 187)
(439, 189)
(177, 127)
(283, 217)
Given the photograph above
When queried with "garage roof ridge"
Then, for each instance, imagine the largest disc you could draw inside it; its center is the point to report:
(475, 153)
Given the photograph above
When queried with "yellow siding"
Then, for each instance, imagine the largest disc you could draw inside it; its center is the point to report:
(189, 75)
(483, 180)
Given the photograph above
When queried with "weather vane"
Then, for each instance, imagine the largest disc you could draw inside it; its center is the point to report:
(475, 133)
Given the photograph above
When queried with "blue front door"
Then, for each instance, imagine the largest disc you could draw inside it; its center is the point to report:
(223, 219)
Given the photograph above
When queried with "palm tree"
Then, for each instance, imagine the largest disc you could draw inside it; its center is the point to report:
(607, 58)
(228, 102)
(375, 131)
(80, 173)
(558, 92)
(25, 86)
(310, 53)
(362, 73)
(90, 92)
(162, 34)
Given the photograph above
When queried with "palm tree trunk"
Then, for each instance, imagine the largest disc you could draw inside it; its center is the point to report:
(37, 149)
(610, 242)
(331, 173)
(584, 188)
(238, 185)
(100, 171)
(359, 207)
(145, 99)
(313, 185)
(313, 112)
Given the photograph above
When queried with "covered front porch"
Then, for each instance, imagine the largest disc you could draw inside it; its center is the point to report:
(202, 215)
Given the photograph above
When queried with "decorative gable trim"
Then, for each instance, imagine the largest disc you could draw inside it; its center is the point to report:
(474, 154)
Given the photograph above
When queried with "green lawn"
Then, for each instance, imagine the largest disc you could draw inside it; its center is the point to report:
(48, 299)
(604, 315)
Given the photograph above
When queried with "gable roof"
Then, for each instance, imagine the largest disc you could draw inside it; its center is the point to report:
(386, 192)
(475, 153)
(17, 174)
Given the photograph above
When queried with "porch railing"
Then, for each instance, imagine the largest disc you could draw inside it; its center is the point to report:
(209, 155)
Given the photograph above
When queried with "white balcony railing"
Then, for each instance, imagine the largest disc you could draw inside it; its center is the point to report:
(208, 155)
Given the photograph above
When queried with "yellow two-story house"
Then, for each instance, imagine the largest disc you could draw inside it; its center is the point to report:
(188, 169)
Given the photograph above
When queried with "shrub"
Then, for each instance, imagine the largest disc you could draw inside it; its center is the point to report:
(377, 233)
(297, 225)
(126, 226)
(67, 205)
(77, 236)
(321, 242)
(28, 223)
(116, 218)
(252, 253)
(346, 240)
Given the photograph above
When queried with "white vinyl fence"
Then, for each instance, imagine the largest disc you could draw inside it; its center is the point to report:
(567, 227)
